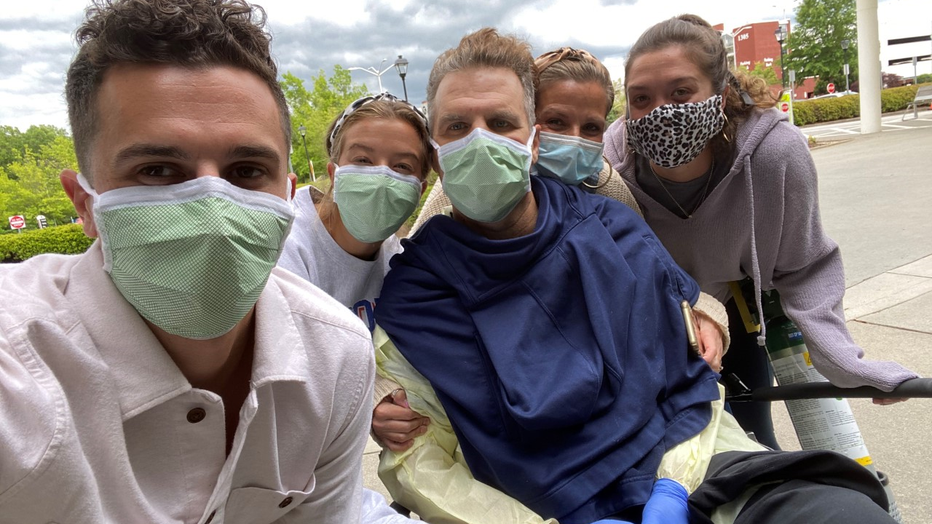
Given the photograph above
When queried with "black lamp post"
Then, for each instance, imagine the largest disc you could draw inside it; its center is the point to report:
(402, 66)
(844, 47)
(780, 33)
(303, 132)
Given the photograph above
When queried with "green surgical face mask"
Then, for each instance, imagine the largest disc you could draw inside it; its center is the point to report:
(485, 175)
(374, 200)
(192, 258)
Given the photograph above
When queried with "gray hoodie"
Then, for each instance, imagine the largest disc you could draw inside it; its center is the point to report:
(762, 220)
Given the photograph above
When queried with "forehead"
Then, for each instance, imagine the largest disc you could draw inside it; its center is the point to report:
(581, 97)
(391, 135)
(156, 103)
(661, 65)
(479, 90)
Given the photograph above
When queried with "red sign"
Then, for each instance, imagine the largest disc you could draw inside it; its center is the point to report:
(785, 107)
(831, 88)
(17, 222)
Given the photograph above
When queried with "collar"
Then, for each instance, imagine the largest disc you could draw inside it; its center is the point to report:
(143, 374)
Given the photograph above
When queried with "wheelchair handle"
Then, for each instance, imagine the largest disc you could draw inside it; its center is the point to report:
(913, 388)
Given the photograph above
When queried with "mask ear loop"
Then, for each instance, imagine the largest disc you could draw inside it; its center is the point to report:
(601, 184)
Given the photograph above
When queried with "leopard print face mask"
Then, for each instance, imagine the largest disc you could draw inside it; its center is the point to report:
(674, 134)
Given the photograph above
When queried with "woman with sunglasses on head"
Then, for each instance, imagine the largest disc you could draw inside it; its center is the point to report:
(729, 187)
(342, 241)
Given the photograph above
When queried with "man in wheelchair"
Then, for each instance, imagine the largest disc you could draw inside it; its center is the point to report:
(542, 330)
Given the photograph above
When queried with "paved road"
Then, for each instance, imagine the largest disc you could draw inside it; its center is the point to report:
(876, 196)
(876, 202)
(849, 128)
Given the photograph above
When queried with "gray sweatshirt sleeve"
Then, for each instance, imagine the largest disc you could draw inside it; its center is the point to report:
(810, 278)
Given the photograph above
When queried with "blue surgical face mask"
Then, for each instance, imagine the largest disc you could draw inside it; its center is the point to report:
(570, 159)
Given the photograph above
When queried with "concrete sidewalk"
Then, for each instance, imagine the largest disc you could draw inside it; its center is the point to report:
(876, 199)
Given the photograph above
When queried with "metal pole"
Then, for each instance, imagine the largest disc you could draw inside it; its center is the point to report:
(405, 87)
(869, 65)
(310, 170)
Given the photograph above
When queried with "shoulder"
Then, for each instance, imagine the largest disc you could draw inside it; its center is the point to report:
(32, 329)
(305, 300)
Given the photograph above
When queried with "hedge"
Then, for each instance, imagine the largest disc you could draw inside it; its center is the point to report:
(807, 112)
(68, 239)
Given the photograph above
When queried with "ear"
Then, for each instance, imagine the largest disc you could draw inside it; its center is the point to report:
(435, 163)
(331, 169)
(536, 144)
(80, 199)
(294, 184)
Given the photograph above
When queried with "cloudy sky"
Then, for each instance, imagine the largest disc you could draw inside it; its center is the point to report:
(36, 37)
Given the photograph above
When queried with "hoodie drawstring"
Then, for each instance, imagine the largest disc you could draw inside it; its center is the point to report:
(755, 262)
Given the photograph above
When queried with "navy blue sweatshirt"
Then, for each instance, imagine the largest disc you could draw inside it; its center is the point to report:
(560, 357)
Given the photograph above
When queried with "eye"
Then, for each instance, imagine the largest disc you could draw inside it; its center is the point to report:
(501, 124)
(160, 171)
(457, 126)
(247, 172)
(554, 123)
(593, 129)
(361, 161)
(681, 92)
(404, 168)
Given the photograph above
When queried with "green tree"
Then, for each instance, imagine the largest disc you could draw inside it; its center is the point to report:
(13, 142)
(30, 186)
(762, 71)
(815, 44)
(620, 105)
(315, 108)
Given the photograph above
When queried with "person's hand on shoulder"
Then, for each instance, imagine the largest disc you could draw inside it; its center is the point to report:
(395, 423)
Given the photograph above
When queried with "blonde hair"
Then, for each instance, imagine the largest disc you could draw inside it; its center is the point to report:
(487, 48)
(577, 65)
(385, 109)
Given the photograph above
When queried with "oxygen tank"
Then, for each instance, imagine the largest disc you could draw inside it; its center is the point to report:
(820, 423)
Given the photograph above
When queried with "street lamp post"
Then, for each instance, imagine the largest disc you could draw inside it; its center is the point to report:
(780, 33)
(373, 71)
(402, 66)
(310, 167)
(844, 47)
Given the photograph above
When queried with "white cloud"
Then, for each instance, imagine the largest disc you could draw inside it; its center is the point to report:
(36, 37)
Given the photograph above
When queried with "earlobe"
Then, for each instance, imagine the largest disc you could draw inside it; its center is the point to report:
(80, 199)
(294, 184)
(535, 144)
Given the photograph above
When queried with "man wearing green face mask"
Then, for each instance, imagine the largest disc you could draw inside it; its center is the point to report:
(544, 331)
(171, 373)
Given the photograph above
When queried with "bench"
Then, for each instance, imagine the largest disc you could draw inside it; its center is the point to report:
(923, 96)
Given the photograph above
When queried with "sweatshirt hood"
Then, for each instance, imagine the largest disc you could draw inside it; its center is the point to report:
(751, 132)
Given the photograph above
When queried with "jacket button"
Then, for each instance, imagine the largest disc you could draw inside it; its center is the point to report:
(196, 415)
(286, 502)
(211, 517)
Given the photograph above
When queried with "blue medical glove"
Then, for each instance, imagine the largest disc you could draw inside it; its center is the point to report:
(667, 504)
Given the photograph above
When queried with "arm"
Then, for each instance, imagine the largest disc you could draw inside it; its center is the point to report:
(431, 477)
(712, 327)
(810, 278)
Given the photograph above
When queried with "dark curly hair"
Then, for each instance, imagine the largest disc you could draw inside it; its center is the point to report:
(704, 46)
(188, 33)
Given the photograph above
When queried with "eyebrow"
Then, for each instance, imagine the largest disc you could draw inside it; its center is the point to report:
(252, 151)
(367, 149)
(149, 150)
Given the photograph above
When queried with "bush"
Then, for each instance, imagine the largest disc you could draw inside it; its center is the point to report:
(68, 239)
(807, 112)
